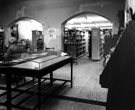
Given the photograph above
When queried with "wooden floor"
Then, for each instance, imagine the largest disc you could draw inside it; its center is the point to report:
(86, 93)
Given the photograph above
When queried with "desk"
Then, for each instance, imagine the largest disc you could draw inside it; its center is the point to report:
(35, 68)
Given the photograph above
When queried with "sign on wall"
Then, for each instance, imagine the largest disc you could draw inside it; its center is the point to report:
(52, 32)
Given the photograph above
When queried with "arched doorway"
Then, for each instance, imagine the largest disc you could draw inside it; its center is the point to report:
(24, 28)
(85, 21)
(87, 69)
(20, 19)
(83, 13)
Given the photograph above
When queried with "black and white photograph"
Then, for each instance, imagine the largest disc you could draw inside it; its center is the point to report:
(67, 54)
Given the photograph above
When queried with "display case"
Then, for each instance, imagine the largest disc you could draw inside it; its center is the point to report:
(38, 63)
(22, 57)
(37, 68)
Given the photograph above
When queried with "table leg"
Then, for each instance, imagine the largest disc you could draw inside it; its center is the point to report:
(71, 73)
(8, 86)
(51, 77)
(39, 93)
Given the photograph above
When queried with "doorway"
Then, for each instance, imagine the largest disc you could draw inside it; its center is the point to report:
(23, 29)
(78, 31)
(87, 24)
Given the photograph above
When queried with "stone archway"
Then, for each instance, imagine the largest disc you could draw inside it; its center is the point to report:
(14, 21)
(20, 18)
(82, 13)
(78, 14)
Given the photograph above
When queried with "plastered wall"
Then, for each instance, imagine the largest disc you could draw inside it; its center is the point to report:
(52, 14)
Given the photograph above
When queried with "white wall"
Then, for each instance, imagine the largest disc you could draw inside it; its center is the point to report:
(25, 28)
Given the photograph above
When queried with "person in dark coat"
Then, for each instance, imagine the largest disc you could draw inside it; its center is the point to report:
(119, 74)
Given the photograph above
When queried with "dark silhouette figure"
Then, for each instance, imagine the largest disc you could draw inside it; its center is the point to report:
(119, 74)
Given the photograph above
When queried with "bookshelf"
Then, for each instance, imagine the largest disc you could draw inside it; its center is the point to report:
(97, 43)
(37, 41)
(74, 43)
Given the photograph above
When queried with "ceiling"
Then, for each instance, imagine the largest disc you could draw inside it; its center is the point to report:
(59, 3)
(89, 21)
(64, 0)
(94, 2)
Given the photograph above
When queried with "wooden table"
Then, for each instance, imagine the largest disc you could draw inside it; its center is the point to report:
(35, 68)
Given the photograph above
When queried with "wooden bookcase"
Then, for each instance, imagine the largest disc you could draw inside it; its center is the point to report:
(96, 44)
(74, 43)
(37, 41)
